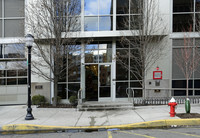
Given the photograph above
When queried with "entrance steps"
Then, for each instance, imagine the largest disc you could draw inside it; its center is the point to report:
(93, 106)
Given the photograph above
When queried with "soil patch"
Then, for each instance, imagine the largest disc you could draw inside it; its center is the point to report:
(188, 115)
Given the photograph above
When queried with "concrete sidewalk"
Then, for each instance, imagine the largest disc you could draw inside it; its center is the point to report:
(72, 118)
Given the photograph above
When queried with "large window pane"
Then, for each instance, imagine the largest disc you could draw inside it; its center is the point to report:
(122, 23)
(22, 72)
(22, 80)
(121, 89)
(11, 73)
(91, 24)
(91, 7)
(74, 61)
(1, 51)
(122, 6)
(14, 51)
(134, 22)
(182, 22)
(91, 46)
(14, 28)
(62, 89)
(197, 8)
(91, 56)
(179, 93)
(181, 84)
(105, 23)
(73, 89)
(105, 7)
(0, 8)
(105, 55)
(122, 65)
(14, 8)
(12, 81)
(183, 5)
(136, 6)
(0, 28)
(2, 81)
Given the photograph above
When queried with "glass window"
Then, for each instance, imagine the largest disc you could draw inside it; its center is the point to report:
(91, 56)
(91, 24)
(136, 6)
(22, 80)
(121, 89)
(0, 28)
(0, 9)
(197, 23)
(62, 89)
(122, 22)
(22, 72)
(179, 92)
(122, 65)
(105, 55)
(105, 7)
(196, 83)
(73, 89)
(134, 22)
(14, 51)
(197, 92)
(105, 23)
(105, 45)
(181, 84)
(182, 22)
(91, 46)
(11, 73)
(183, 5)
(74, 62)
(11, 81)
(122, 6)
(14, 28)
(197, 8)
(2, 81)
(2, 73)
(1, 51)
(91, 7)
(14, 8)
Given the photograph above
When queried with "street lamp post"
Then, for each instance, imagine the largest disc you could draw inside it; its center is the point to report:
(29, 43)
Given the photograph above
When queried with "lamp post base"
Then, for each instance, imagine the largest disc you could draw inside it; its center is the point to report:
(29, 115)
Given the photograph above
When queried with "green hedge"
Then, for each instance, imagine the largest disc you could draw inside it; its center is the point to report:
(38, 99)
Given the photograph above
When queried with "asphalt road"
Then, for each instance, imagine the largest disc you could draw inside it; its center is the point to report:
(136, 133)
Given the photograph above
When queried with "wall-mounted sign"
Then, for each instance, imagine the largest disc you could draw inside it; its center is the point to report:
(157, 75)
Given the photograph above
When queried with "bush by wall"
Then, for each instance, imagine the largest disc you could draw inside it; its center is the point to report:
(38, 99)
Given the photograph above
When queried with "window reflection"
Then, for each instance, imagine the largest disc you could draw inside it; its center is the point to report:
(121, 89)
(91, 24)
(105, 7)
(14, 51)
(122, 22)
(91, 7)
(197, 5)
(105, 23)
(183, 5)
(122, 6)
(182, 22)
(136, 6)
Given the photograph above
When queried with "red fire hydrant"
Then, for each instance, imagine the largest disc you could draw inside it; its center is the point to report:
(172, 103)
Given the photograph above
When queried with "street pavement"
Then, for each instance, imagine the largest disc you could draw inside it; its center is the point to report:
(73, 118)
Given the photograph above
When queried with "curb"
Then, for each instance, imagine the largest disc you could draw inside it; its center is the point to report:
(149, 124)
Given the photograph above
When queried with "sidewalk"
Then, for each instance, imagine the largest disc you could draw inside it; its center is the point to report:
(12, 116)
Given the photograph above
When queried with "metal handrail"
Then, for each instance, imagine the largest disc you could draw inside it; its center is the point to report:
(79, 96)
(128, 93)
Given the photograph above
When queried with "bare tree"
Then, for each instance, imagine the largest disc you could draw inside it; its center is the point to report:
(187, 58)
(148, 30)
(51, 21)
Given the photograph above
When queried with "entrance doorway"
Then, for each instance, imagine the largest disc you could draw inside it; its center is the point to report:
(97, 82)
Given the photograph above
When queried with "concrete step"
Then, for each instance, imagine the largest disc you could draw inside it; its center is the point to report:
(91, 106)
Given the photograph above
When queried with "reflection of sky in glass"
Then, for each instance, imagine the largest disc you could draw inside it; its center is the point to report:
(91, 24)
(91, 7)
(105, 7)
(105, 23)
(91, 46)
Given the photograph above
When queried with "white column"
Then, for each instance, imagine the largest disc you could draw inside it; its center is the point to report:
(83, 69)
(113, 70)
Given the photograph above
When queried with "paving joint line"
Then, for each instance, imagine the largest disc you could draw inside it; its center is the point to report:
(78, 118)
(139, 116)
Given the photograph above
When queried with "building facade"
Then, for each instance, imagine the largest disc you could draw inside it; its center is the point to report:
(95, 69)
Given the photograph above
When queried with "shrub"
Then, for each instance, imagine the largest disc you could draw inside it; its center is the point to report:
(58, 99)
(73, 99)
(38, 99)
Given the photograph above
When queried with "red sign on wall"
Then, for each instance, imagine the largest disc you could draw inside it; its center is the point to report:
(157, 75)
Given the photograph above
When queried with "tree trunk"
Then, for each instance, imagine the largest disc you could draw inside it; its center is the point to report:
(55, 91)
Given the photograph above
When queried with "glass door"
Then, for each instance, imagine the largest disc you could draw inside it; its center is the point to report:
(105, 81)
